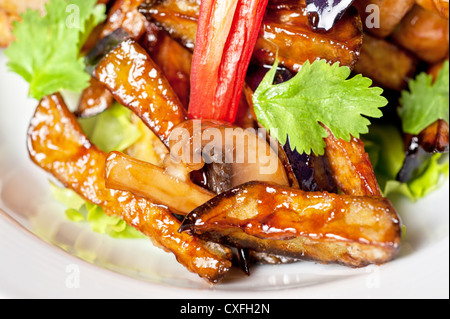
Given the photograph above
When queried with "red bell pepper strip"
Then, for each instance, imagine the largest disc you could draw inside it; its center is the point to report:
(226, 37)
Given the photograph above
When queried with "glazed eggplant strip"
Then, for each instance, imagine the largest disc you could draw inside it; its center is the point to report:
(425, 34)
(351, 167)
(387, 64)
(390, 12)
(286, 30)
(138, 83)
(353, 231)
(57, 144)
(122, 15)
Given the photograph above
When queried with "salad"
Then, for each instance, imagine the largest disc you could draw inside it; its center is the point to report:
(238, 132)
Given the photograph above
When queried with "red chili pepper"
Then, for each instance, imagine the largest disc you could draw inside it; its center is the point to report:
(226, 37)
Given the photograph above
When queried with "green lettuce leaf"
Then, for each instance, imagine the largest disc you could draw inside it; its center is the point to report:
(111, 130)
(78, 210)
(385, 147)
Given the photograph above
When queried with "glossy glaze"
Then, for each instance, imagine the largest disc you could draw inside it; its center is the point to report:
(329, 228)
(57, 144)
(285, 28)
(425, 34)
(124, 15)
(351, 167)
(387, 64)
(137, 83)
(387, 13)
(240, 156)
(94, 100)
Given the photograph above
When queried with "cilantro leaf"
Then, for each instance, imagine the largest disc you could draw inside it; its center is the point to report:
(425, 102)
(46, 50)
(320, 94)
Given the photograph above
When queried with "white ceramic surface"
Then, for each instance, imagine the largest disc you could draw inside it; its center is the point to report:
(42, 255)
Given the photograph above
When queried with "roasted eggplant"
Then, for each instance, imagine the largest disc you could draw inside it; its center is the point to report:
(351, 167)
(285, 30)
(328, 228)
(137, 82)
(381, 17)
(57, 145)
(425, 34)
(386, 63)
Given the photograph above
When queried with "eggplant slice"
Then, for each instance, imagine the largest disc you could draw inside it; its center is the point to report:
(57, 145)
(285, 31)
(354, 231)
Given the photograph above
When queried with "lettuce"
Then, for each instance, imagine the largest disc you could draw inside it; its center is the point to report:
(384, 144)
(111, 130)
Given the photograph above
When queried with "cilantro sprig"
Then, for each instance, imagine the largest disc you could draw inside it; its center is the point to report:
(319, 94)
(425, 102)
(46, 52)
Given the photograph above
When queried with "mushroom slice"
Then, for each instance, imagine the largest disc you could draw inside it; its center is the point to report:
(57, 145)
(146, 180)
(353, 231)
(234, 156)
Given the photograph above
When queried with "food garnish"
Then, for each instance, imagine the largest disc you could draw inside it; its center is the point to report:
(299, 107)
(46, 52)
(426, 101)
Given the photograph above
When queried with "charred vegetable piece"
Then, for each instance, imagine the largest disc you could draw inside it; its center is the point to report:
(324, 14)
(136, 82)
(174, 60)
(123, 16)
(327, 228)
(178, 17)
(285, 30)
(381, 17)
(425, 34)
(94, 100)
(435, 138)
(351, 167)
(387, 64)
(439, 6)
(57, 145)
(146, 180)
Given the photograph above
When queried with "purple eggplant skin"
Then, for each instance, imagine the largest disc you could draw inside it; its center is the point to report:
(324, 14)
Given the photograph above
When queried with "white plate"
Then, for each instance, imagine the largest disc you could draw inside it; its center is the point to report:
(42, 255)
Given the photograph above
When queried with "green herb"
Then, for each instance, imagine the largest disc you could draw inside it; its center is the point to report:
(46, 52)
(320, 94)
(425, 102)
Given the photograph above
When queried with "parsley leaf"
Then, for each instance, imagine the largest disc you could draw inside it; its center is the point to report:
(319, 94)
(425, 102)
(46, 52)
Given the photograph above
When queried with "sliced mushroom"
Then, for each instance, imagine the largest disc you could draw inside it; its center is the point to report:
(233, 155)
